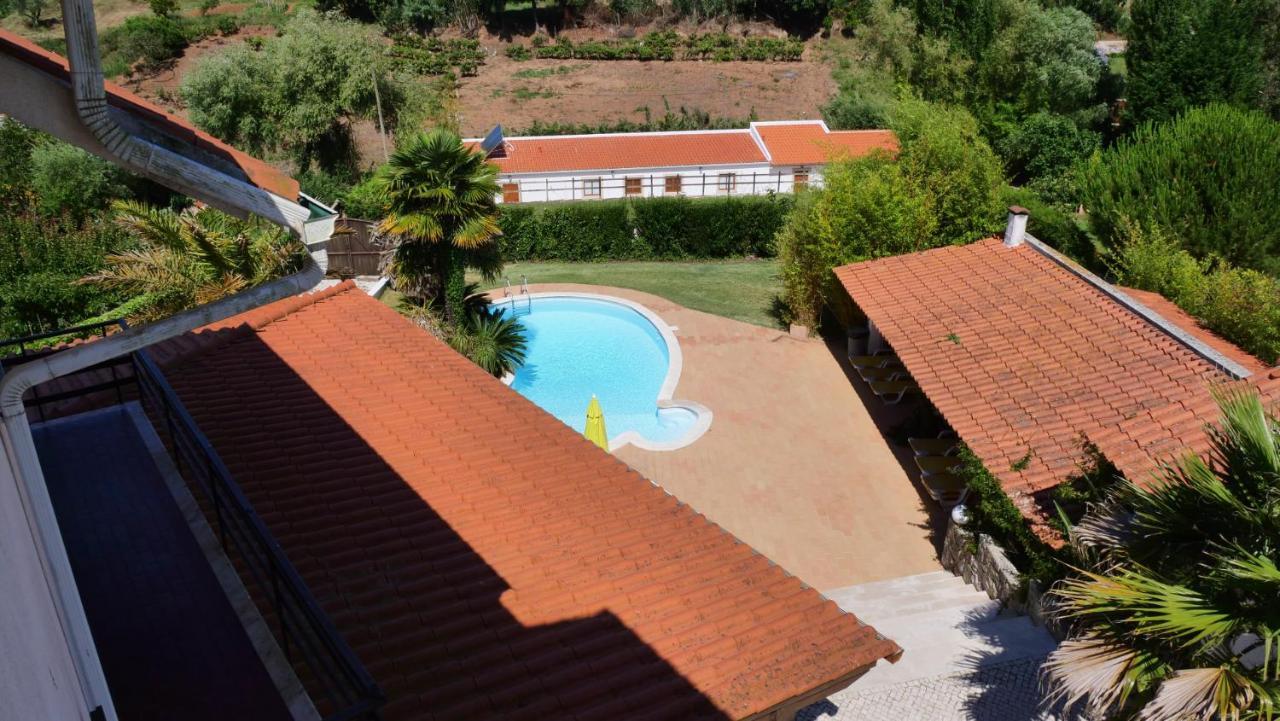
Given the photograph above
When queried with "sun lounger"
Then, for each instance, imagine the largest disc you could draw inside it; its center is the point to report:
(931, 465)
(874, 361)
(883, 373)
(892, 392)
(933, 446)
(947, 489)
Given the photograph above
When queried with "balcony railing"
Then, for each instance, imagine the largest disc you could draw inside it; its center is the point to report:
(338, 683)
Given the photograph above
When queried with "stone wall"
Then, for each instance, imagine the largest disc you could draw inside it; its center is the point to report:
(984, 564)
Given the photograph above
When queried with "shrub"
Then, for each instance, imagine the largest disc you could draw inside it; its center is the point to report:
(1209, 178)
(1045, 146)
(1241, 305)
(163, 8)
(66, 179)
(147, 40)
(666, 228)
(993, 514)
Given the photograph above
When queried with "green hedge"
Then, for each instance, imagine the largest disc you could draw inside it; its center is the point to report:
(648, 229)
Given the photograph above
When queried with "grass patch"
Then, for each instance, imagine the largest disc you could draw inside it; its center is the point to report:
(745, 290)
(1118, 65)
(523, 93)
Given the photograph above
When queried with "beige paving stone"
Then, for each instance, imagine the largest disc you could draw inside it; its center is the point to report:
(794, 463)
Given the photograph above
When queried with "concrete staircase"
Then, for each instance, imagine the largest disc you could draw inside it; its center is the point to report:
(943, 625)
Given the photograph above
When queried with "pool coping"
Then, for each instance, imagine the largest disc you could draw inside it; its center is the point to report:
(675, 366)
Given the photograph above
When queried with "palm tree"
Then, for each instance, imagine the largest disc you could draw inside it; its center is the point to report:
(1175, 614)
(189, 258)
(492, 341)
(441, 213)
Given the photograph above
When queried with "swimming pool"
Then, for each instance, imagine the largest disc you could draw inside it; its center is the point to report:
(583, 344)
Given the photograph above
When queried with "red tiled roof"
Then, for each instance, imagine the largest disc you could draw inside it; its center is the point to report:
(1186, 322)
(1022, 356)
(800, 143)
(813, 144)
(483, 559)
(630, 150)
(259, 173)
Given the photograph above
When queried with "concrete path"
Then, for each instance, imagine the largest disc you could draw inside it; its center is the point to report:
(964, 659)
(794, 463)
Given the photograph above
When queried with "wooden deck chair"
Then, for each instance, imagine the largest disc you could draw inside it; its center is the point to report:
(874, 361)
(930, 465)
(883, 373)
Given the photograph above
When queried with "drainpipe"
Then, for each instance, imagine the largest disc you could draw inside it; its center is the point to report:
(184, 175)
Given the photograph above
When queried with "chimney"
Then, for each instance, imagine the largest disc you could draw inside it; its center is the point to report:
(1016, 231)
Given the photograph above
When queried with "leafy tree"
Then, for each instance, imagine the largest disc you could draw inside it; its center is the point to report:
(970, 24)
(186, 259)
(1185, 53)
(946, 158)
(1208, 177)
(867, 208)
(441, 205)
(1044, 60)
(298, 94)
(163, 8)
(16, 143)
(1044, 146)
(32, 11)
(148, 41)
(66, 179)
(40, 260)
(1174, 614)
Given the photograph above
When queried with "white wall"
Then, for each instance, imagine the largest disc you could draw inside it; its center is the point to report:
(37, 671)
(755, 179)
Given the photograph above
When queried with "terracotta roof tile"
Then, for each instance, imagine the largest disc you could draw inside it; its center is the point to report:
(485, 560)
(800, 143)
(1041, 360)
(259, 173)
(620, 151)
(812, 144)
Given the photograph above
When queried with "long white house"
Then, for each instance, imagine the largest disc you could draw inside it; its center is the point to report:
(778, 156)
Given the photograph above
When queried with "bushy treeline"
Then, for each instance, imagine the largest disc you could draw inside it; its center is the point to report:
(1240, 304)
(642, 229)
(683, 119)
(662, 45)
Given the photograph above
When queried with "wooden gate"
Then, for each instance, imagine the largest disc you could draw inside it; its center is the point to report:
(351, 248)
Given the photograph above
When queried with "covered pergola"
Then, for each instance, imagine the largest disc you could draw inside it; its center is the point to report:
(1028, 357)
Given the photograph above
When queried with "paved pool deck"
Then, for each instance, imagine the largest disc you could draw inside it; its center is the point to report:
(794, 463)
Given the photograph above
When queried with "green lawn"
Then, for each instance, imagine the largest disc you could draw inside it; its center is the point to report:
(744, 290)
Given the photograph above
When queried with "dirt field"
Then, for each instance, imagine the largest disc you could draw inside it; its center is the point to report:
(572, 91)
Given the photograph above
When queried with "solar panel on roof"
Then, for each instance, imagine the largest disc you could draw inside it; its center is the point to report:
(492, 140)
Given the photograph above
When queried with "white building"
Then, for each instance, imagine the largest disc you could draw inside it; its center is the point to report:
(779, 156)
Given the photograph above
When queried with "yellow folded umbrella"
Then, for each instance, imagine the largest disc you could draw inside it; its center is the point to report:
(595, 431)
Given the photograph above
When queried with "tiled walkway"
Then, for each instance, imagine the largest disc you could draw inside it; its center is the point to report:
(170, 642)
(1007, 692)
(793, 463)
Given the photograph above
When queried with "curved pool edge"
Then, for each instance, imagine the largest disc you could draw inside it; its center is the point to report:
(675, 366)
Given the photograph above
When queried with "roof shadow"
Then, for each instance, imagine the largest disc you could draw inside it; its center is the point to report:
(425, 612)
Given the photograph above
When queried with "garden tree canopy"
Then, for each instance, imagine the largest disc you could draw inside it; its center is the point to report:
(1185, 53)
(297, 94)
(1043, 60)
(1044, 146)
(943, 188)
(441, 212)
(970, 24)
(1174, 615)
(1208, 177)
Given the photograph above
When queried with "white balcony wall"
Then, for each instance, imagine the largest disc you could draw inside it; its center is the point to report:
(38, 677)
(700, 182)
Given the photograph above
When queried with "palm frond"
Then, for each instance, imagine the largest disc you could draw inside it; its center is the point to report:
(1204, 694)
(1148, 606)
(1100, 673)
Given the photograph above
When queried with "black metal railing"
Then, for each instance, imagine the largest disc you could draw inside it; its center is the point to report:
(16, 351)
(338, 683)
(305, 633)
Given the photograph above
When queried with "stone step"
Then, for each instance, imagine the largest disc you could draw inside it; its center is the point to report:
(936, 650)
(914, 607)
(959, 615)
(888, 593)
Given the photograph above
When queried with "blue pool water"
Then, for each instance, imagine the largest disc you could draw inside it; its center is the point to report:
(581, 346)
